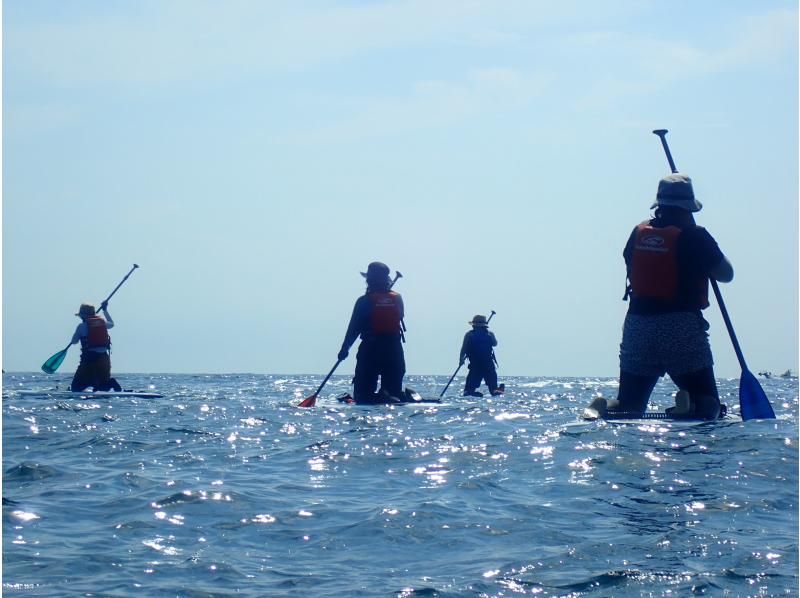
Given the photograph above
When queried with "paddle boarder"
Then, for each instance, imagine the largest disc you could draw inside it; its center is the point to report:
(94, 368)
(376, 318)
(669, 261)
(478, 347)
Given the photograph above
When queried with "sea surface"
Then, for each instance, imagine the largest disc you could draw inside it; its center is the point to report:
(225, 487)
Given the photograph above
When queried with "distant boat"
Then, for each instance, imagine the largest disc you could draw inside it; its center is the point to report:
(765, 374)
(788, 374)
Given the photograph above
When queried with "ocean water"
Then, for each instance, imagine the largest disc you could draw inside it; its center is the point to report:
(224, 487)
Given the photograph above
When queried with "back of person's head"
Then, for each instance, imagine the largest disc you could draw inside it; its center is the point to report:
(674, 215)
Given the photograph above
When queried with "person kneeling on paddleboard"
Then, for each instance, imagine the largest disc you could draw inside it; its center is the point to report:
(669, 260)
(377, 317)
(478, 347)
(94, 368)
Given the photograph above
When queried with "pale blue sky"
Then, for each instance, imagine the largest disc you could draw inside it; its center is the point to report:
(252, 157)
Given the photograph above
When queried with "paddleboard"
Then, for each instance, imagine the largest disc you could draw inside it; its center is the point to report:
(646, 419)
(104, 394)
(411, 397)
(597, 411)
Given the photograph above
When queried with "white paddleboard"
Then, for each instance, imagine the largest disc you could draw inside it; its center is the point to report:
(110, 394)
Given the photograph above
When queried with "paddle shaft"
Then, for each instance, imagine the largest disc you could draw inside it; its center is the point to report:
(444, 390)
(753, 401)
(491, 315)
(121, 282)
(724, 311)
(662, 134)
(328, 377)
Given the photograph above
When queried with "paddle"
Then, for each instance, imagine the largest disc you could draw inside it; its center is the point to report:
(310, 401)
(51, 365)
(753, 401)
(462, 363)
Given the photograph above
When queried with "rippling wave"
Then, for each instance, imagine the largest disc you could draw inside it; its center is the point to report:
(225, 487)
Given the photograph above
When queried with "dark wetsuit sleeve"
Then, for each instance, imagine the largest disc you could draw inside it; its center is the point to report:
(627, 253)
(704, 250)
(494, 338)
(358, 321)
(462, 355)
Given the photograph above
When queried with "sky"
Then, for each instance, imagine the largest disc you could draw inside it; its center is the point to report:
(253, 157)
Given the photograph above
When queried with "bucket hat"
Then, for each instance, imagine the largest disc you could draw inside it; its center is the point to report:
(85, 310)
(376, 271)
(479, 321)
(676, 190)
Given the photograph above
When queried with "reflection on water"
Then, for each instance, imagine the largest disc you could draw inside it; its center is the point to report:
(224, 486)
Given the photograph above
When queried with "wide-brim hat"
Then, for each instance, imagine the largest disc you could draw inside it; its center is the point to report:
(376, 271)
(480, 321)
(676, 190)
(85, 310)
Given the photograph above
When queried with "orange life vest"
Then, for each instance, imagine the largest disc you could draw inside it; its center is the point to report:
(98, 334)
(385, 318)
(654, 271)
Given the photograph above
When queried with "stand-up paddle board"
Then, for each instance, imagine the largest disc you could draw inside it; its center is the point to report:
(409, 397)
(99, 394)
(680, 414)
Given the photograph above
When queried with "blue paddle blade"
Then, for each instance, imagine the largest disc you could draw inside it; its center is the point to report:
(52, 364)
(753, 401)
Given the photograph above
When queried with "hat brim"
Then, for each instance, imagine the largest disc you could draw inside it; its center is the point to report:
(481, 324)
(691, 205)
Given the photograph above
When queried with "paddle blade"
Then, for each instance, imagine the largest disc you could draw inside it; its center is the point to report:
(753, 401)
(52, 364)
(309, 401)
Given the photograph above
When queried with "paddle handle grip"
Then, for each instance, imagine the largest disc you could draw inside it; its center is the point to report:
(662, 135)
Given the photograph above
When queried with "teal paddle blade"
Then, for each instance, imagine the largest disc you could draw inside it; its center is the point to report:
(52, 364)
(753, 401)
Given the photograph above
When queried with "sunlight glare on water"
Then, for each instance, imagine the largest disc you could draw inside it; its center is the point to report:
(224, 485)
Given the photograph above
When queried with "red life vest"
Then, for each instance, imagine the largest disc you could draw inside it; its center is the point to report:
(98, 334)
(654, 271)
(385, 318)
